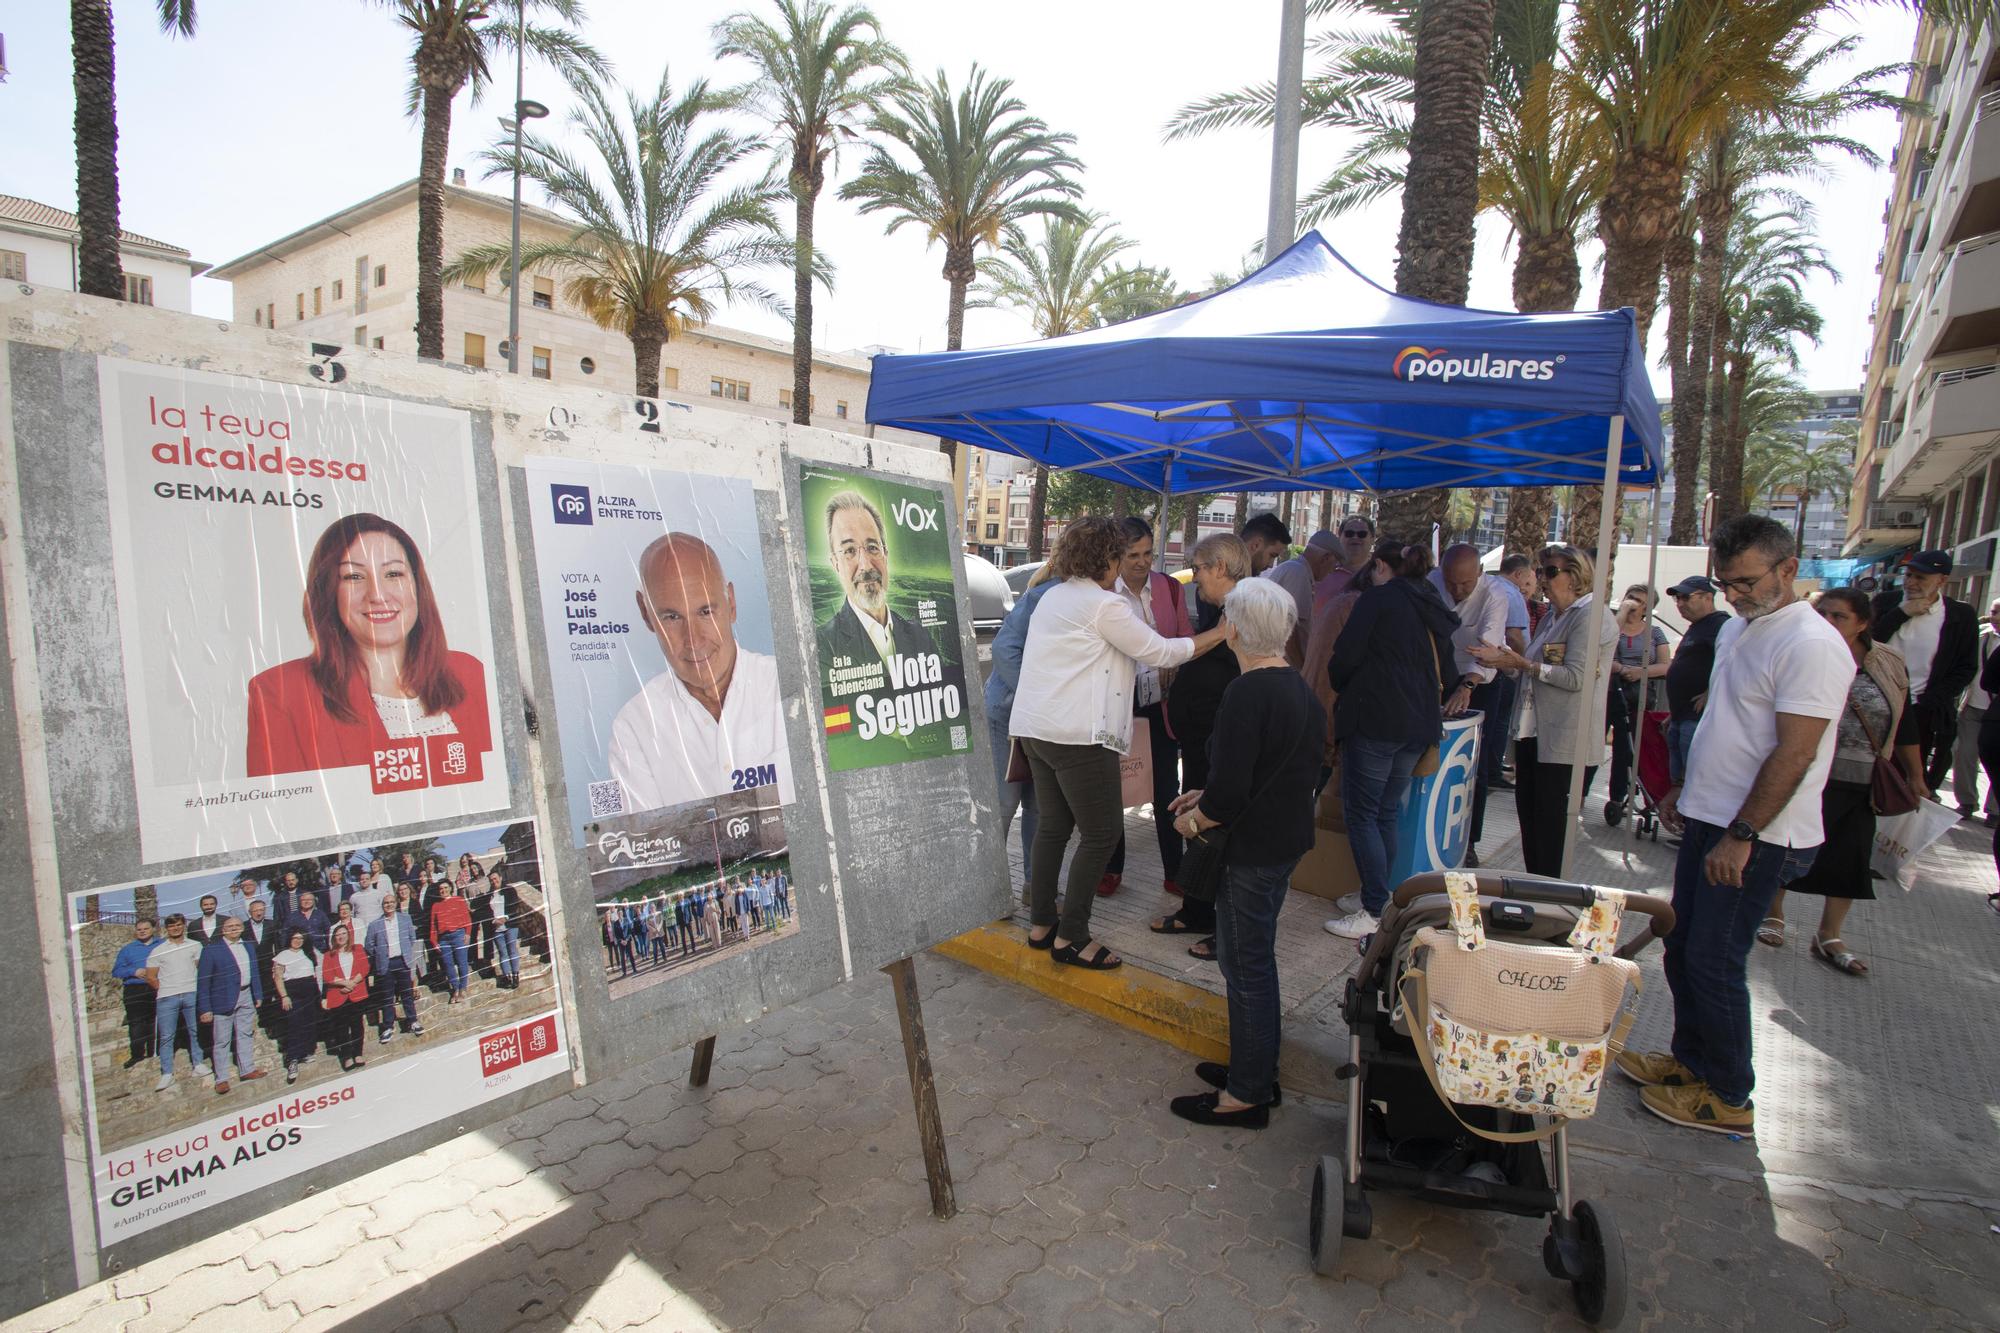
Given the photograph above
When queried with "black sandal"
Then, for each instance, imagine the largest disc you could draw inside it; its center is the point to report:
(1216, 1075)
(1202, 1110)
(1071, 955)
(1196, 949)
(1174, 926)
(1045, 943)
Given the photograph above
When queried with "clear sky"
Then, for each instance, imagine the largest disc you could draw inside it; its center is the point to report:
(277, 114)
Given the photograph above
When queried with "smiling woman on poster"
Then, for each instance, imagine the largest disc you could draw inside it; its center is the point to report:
(380, 671)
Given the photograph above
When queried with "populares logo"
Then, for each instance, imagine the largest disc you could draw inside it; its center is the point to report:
(738, 827)
(572, 503)
(1417, 363)
(909, 514)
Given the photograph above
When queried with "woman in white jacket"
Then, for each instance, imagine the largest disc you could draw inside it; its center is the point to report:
(1073, 717)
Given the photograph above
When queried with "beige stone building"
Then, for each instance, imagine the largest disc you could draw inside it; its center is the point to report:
(352, 279)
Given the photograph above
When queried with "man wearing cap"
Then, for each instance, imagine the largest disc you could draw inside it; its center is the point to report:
(1687, 674)
(1939, 640)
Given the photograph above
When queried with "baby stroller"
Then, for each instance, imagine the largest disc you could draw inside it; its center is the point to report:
(1403, 1137)
(1651, 777)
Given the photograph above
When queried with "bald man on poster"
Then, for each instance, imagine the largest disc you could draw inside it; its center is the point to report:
(713, 721)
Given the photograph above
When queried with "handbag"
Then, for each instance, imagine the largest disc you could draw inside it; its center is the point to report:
(1017, 765)
(1428, 761)
(1516, 1027)
(1207, 852)
(1889, 790)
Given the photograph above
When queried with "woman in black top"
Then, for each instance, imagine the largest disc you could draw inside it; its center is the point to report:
(1263, 761)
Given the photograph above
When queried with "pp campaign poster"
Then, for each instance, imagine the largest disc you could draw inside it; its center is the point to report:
(242, 1026)
(892, 682)
(660, 649)
(302, 598)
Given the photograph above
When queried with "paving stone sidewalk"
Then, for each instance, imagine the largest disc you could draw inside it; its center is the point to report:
(789, 1195)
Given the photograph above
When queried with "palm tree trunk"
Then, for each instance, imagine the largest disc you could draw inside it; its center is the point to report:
(1691, 408)
(1638, 214)
(94, 56)
(802, 307)
(1242, 510)
(1440, 190)
(648, 336)
(1038, 514)
(430, 225)
(1726, 462)
(1121, 500)
(1530, 511)
(1547, 277)
(959, 272)
(1190, 528)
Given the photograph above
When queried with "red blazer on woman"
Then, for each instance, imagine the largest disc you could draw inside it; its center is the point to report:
(291, 731)
(329, 977)
(450, 914)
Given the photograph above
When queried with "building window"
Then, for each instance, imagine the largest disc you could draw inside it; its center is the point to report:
(13, 266)
(302, 305)
(993, 504)
(338, 287)
(378, 344)
(475, 285)
(587, 366)
(545, 293)
(539, 368)
(381, 275)
(316, 305)
(670, 377)
(785, 400)
(258, 314)
(840, 409)
(360, 335)
(475, 350)
(992, 531)
(138, 289)
(736, 391)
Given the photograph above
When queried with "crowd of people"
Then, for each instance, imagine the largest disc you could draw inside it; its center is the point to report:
(1273, 674)
(663, 929)
(311, 962)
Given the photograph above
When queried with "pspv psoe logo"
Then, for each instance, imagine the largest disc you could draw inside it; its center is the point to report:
(1416, 363)
(572, 503)
(914, 517)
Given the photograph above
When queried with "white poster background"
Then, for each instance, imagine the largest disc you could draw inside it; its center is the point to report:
(210, 563)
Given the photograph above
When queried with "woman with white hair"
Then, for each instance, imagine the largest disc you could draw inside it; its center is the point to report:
(1263, 763)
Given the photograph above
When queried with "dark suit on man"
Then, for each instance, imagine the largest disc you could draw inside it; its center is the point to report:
(200, 932)
(844, 636)
(1952, 670)
(261, 938)
(316, 924)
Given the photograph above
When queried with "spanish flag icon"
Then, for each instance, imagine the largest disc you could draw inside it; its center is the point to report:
(838, 720)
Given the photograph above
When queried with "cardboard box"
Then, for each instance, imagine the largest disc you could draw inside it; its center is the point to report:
(1327, 871)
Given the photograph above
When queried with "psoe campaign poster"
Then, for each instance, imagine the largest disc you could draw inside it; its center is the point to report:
(659, 638)
(892, 682)
(302, 598)
(234, 1037)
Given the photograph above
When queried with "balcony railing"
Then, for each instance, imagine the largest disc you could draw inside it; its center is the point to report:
(1989, 103)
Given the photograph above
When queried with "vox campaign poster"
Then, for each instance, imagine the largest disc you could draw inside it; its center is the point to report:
(301, 582)
(892, 682)
(659, 638)
(231, 1041)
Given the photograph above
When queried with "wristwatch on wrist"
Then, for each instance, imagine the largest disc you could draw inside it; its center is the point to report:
(1741, 831)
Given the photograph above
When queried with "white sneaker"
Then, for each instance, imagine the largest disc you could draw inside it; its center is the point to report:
(1348, 903)
(202, 1069)
(166, 1081)
(1353, 926)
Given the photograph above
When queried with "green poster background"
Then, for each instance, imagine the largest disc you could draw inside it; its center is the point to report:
(917, 533)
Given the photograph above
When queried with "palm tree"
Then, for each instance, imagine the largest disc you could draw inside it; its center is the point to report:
(93, 55)
(818, 74)
(655, 250)
(1828, 469)
(1063, 282)
(456, 41)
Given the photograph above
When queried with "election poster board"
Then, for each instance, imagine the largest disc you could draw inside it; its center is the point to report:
(890, 669)
(660, 650)
(166, 1147)
(302, 601)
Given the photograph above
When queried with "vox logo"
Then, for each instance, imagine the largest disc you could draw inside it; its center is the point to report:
(909, 514)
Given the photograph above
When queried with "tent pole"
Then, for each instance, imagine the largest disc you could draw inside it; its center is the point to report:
(1160, 524)
(1590, 734)
(1653, 558)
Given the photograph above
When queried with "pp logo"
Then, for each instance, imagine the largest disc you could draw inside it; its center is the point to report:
(1447, 815)
(454, 759)
(738, 827)
(916, 519)
(572, 503)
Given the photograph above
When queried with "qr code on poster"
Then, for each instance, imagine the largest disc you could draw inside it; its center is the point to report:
(958, 738)
(607, 798)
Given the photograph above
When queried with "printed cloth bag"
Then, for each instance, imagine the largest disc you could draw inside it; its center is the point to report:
(1514, 1026)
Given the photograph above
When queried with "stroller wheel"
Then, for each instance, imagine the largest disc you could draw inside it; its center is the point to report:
(1614, 813)
(1357, 1215)
(1323, 1231)
(1600, 1292)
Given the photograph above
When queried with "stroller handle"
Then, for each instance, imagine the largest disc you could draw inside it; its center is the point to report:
(1524, 887)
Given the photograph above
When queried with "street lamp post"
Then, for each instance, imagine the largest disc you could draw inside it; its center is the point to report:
(524, 111)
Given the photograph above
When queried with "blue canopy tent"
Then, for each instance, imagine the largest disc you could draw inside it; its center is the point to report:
(1306, 376)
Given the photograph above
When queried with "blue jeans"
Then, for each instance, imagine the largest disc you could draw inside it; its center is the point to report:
(1374, 775)
(1494, 727)
(1680, 740)
(507, 949)
(451, 944)
(1707, 955)
(1013, 795)
(169, 1011)
(1246, 935)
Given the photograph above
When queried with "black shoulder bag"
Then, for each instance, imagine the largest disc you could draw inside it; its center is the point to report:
(1207, 853)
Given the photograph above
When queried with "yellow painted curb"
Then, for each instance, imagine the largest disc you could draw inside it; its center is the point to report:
(1172, 1011)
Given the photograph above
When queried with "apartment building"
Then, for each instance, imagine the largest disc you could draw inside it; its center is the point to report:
(1928, 470)
(38, 245)
(351, 279)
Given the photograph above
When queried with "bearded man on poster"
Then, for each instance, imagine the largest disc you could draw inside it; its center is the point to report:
(864, 629)
(713, 721)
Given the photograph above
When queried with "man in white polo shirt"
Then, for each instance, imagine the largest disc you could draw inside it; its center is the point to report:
(172, 969)
(713, 722)
(1749, 814)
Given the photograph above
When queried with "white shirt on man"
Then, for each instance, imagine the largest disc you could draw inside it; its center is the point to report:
(667, 749)
(243, 966)
(1482, 618)
(879, 632)
(177, 962)
(1917, 640)
(1790, 661)
(1077, 668)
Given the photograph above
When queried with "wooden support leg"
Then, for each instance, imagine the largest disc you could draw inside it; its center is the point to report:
(923, 1088)
(704, 1055)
